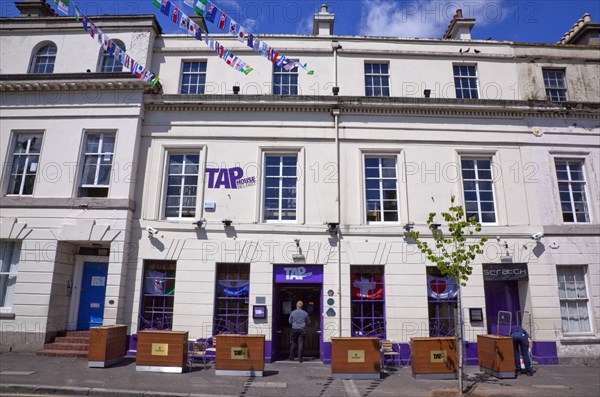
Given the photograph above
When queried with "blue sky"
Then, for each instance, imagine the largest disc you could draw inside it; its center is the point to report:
(540, 21)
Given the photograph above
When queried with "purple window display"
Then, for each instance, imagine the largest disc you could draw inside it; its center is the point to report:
(158, 293)
(442, 295)
(367, 301)
(232, 299)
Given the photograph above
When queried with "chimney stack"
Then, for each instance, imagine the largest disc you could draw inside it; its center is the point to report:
(35, 8)
(323, 22)
(584, 32)
(459, 28)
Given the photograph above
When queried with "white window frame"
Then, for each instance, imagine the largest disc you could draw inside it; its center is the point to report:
(587, 300)
(477, 180)
(104, 57)
(280, 197)
(280, 71)
(13, 256)
(570, 183)
(460, 76)
(27, 161)
(100, 155)
(205, 73)
(37, 54)
(381, 87)
(201, 168)
(380, 178)
(563, 89)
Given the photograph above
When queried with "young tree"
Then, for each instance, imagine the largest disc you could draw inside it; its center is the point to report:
(453, 255)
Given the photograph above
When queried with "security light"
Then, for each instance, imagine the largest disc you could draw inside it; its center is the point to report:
(227, 222)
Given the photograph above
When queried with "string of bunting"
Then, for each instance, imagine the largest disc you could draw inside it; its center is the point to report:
(120, 55)
(177, 16)
(212, 13)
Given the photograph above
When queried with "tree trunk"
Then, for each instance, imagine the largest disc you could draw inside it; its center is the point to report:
(459, 343)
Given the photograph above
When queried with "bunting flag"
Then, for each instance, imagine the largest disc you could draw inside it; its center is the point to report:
(195, 30)
(109, 46)
(210, 11)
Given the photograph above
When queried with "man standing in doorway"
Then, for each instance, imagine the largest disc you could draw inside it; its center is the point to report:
(299, 321)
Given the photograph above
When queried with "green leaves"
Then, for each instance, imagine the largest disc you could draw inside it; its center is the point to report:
(454, 252)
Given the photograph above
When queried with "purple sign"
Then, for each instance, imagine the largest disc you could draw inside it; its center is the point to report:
(299, 274)
(228, 178)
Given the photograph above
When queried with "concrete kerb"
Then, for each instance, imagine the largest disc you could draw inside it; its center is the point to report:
(97, 392)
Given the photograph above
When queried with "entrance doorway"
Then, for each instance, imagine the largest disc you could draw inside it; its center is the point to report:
(93, 292)
(501, 296)
(285, 298)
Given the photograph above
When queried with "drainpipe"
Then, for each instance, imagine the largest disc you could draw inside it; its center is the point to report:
(336, 113)
(336, 46)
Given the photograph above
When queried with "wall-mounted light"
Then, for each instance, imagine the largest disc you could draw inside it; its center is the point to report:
(435, 226)
(409, 226)
(227, 222)
(427, 93)
(200, 223)
(236, 89)
(335, 90)
(332, 227)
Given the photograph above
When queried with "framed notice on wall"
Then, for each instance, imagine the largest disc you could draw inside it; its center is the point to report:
(259, 311)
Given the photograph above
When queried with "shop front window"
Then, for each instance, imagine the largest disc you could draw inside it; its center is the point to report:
(232, 299)
(367, 301)
(158, 294)
(442, 297)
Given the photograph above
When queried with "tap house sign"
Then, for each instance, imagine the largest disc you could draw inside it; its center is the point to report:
(505, 272)
(229, 178)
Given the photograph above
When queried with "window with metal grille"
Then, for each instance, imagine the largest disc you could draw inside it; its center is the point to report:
(574, 301)
(377, 79)
(182, 185)
(43, 60)
(97, 164)
(478, 187)
(442, 299)
(280, 187)
(232, 298)
(109, 62)
(571, 188)
(193, 78)
(285, 82)
(367, 301)
(381, 183)
(10, 252)
(158, 294)
(556, 87)
(25, 164)
(465, 82)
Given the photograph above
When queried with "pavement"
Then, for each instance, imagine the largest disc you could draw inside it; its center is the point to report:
(25, 374)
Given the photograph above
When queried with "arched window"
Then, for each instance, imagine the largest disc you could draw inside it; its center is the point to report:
(43, 60)
(109, 62)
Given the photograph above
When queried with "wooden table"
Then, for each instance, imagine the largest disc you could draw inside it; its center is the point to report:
(355, 358)
(162, 351)
(108, 345)
(496, 355)
(240, 355)
(433, 358)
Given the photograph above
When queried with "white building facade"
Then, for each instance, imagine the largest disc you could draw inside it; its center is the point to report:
(221, 210)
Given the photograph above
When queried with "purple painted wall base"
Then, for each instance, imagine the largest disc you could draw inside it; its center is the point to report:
(326, 353)
(268, 352)
(131, 345)
(545, 353)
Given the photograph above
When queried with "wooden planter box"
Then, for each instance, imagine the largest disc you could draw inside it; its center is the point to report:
(355, 358)
(162, 351)
(496, 355)
(433, 358)
(240, 355)
(108, 345)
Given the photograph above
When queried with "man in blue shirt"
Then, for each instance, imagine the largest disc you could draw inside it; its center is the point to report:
(520, 339)
(299, 321)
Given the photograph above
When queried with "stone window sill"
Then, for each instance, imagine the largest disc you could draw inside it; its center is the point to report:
(580, 340)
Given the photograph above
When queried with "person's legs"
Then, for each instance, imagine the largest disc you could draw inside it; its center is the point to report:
(516, 345)
(293, 343)
(524, 344)
(301, 335)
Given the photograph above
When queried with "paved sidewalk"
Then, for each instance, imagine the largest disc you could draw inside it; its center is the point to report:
(26, 374)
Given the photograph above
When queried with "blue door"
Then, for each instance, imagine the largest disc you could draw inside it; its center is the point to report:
(91, 300)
